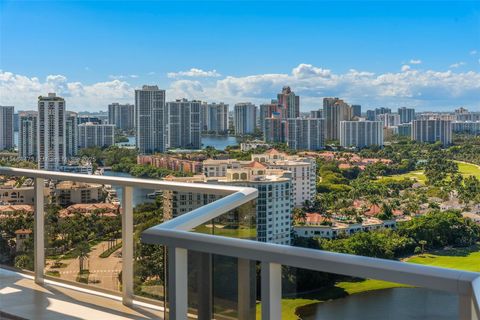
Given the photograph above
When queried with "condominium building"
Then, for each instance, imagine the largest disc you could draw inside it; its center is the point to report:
(52, 143)
(462, 114)
(303, 171)
(96, 135)
(266, 112)
(316, 113)
(406, 114)
(275, 129)
(289, 103)
(432, 130)
(245, 118)
(466, 127)
(356, 110)
(214, 118)
(373, 114)
(405, 129)
(273, 205)
(122, 115)
(71, 133)
(335, 110)
(183, 124)
(389, 119)
(67, 192)
(361, 134)
(150, 120)
(306, 133)
(218, 168)
(27, 135)
(6, 127)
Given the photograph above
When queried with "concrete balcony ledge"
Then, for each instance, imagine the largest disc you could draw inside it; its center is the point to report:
(21, 298)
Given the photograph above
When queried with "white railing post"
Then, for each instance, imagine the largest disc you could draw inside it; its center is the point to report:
(246, 307)
(127, 246)
(271, 290)
(467, 310)
(177, 283)
(39, 231)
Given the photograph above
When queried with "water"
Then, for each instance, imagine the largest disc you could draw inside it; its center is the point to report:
(130, 143)
(219, 142)
(389, 304)
(139, 194)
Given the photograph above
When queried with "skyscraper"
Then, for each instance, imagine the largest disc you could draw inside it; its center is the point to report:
(334, 111)
(27, 135)
(6, 127)
(406, 114)
(245, 118)
(183, 124)
(150, 119)
(266, 111)
(95, 135)
(51, 144)
(361, 134)
(71, 133)
(306, 133)
(289, 102)
(316, 113)
(121, 115)
(275, 129)
(432, 130)
(214, 117)
(356, 110)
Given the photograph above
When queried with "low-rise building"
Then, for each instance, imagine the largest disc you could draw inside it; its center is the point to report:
(171, 163)
(68, 192)
(103, 209)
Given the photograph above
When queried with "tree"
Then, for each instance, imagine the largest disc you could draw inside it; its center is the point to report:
(82, 249)
(422, 243)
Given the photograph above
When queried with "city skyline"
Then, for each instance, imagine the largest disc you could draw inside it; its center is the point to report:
(372, 54)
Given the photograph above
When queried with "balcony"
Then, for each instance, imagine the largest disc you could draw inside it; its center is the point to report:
(207, 273)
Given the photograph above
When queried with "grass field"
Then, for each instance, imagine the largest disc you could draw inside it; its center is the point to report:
(461, 258)
(466, 169)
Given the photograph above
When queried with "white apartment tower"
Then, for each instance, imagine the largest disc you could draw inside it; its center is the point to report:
(27, 135)
(214, 117)
(150, 120)
(95, 135)
(6, 127)
(51, 144)
(432, 130)
(183, 124)
(306, 133)
(361, 134)
(407, 115)
(121, 115)
(245, 118)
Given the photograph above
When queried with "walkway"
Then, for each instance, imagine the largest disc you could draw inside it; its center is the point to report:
(22, 298)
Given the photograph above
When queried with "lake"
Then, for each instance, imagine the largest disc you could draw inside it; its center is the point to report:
(218, 142)
(388, 304)
(139, 194)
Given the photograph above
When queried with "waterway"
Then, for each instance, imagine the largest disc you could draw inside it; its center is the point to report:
(139, 194)
(388, 304)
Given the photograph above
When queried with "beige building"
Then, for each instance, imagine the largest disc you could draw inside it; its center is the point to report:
(67, 192)
(334, 111)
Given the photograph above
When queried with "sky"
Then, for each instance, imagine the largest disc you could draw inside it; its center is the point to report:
(422, 54)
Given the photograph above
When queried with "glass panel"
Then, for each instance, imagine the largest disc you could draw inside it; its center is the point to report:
(16, 222)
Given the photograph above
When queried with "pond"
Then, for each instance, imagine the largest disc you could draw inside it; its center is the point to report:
(388, 304)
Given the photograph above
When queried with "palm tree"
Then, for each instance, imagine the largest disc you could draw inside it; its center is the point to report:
(83, 249)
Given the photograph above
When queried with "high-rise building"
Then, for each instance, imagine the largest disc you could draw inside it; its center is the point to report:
(214, 118)
(15, 122)
(316, 113)
(289, 102)
(405, 129)
(275, 129)
(406, 114)
(6, 127)
(95, 135)
(122, 115)
(466, 127)
(373, 114)
(432, 130)
(27, 135)
(389, 119)
(150, 120)
(245, 118)
(306, 133)
(266, 111)
(51, 144)
(334, 111)
(183, 124)
(361, 134)
(71, 133)
(356, 110)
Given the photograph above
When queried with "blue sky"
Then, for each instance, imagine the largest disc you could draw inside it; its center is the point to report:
(95, 52)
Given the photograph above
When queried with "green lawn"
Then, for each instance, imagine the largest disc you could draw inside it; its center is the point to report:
(466, 169)
(245, 233)
(459, 258)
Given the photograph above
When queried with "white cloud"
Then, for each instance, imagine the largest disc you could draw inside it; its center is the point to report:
(120, 76)
(194, 73)
(405, 67)
(415, 61)
(457, 64)
(473, 52)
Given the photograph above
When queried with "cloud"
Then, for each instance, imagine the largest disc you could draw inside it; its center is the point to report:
(457, 64)
(194, 73)
(473, 52)
(120, 77)
(415, 61)
(405, 67)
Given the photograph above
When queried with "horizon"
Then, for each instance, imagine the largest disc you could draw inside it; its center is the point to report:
(424, 54)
